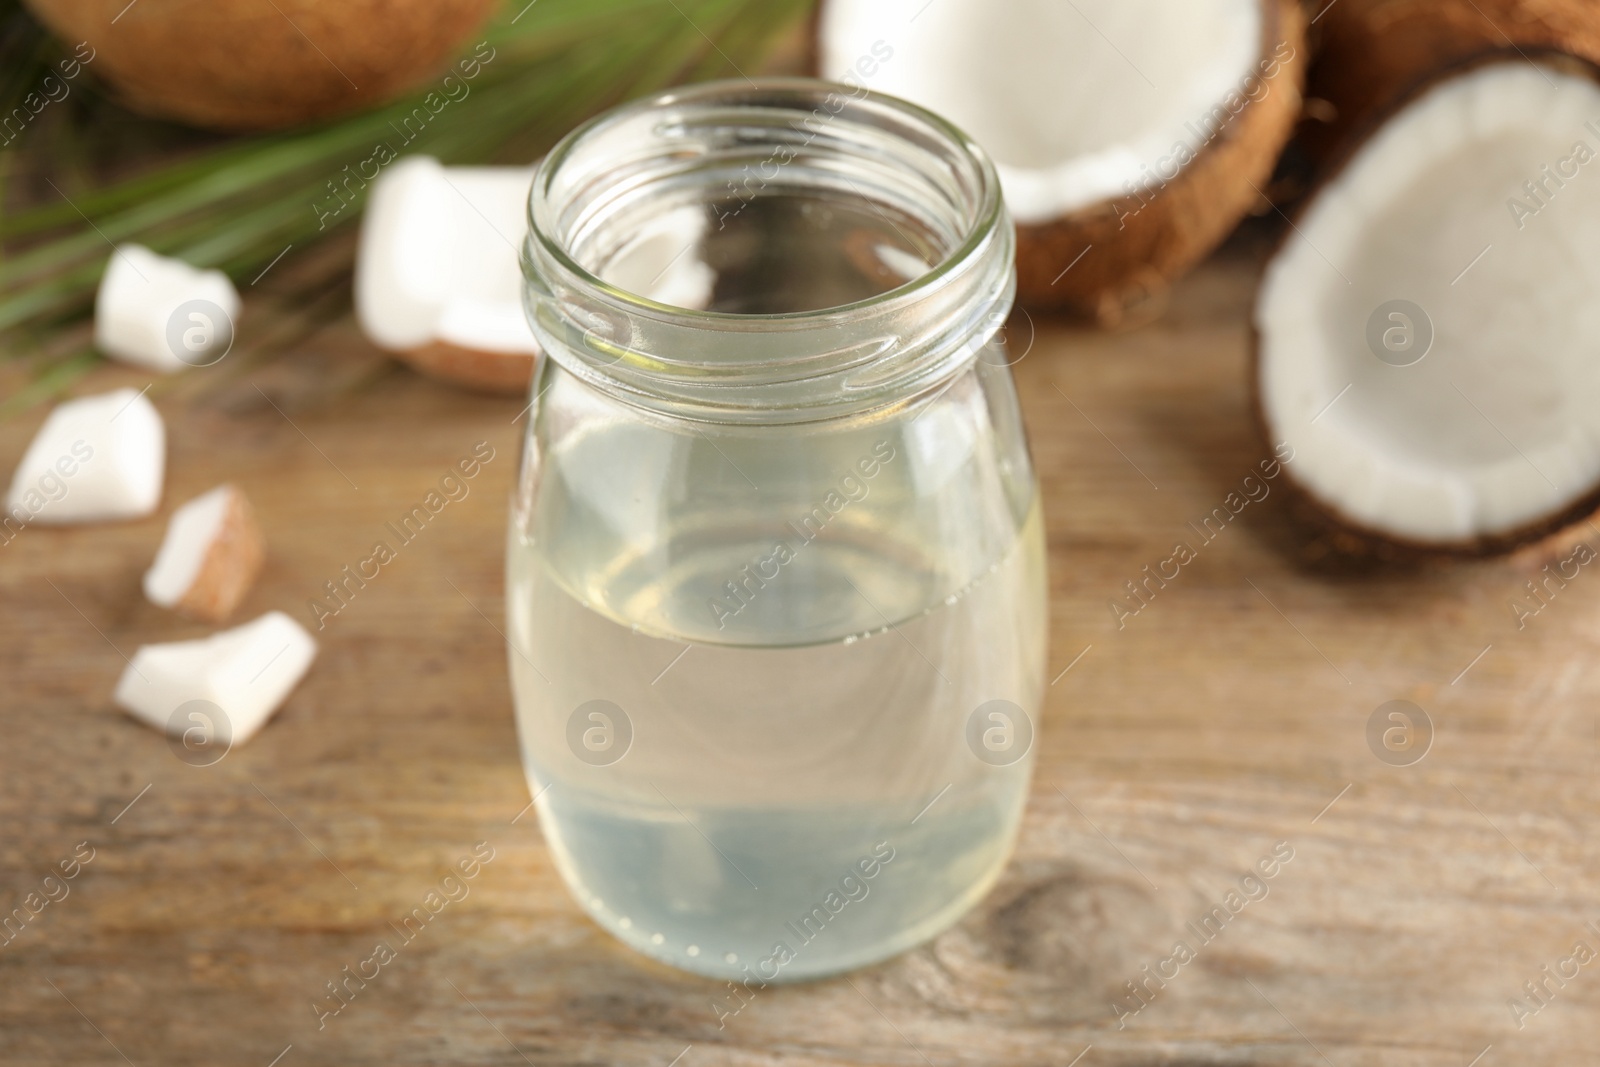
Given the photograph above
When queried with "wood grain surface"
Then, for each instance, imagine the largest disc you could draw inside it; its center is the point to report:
(1227, 719)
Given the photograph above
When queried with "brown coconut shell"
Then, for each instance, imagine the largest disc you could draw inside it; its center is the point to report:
(1329, 533)
(251, 65)
(1107, 258)
(232, 562)
(506, 373)
(1372, 53)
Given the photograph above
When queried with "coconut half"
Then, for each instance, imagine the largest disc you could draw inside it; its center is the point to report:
(437, 276)
(1425, 333)
(1130, 135)
(1370, 53)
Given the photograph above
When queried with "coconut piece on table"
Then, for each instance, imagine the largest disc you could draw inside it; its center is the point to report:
(1131, 136)
(161, 313)
(437, 276)
(211, 554)
(244, 673)
(1425, 333)
(95, 458)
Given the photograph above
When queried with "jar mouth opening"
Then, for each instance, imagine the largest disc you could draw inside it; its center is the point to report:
(809, 100)
(764, 245)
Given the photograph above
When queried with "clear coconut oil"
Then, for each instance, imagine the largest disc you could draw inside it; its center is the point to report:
(806, 801)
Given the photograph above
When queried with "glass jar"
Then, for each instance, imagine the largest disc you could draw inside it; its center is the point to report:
(776, 564)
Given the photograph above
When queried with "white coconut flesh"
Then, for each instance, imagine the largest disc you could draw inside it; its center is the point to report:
(1495, 428)
(438, 258)
(95, 458)
(438, 261)
(246, 673)
(1076, 102)
(193, 528)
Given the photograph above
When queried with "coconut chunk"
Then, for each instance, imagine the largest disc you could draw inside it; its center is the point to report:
(437, 275)
(209, 558)
(246, 673)
(438, 280)
(95, 458)
(1426, 331)
(162, 314)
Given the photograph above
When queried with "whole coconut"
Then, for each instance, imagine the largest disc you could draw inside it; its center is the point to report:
(263, 64)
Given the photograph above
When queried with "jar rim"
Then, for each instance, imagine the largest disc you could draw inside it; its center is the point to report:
(838, 357)
(989, 210)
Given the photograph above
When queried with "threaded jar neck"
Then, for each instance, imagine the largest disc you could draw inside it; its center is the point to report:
(822, 251)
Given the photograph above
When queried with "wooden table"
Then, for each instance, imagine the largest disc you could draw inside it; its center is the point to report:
(1228, 716)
